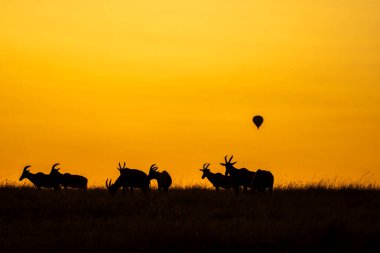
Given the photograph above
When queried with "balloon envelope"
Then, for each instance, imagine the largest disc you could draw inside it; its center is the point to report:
(258, 120)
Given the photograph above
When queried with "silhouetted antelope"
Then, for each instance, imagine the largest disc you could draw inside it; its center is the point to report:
(40, 180)
(67, 180)
(262, 181)
(217, 179)
(240, 177)
(129, 178)
(164, 180)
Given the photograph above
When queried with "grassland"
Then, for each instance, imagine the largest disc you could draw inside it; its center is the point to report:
(293, 219)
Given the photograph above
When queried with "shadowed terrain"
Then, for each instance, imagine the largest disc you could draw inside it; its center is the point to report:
(312, 219)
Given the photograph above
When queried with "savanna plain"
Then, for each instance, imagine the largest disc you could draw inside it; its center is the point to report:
(294, 218)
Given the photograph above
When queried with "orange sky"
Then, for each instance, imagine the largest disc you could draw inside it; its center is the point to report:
(91, 83)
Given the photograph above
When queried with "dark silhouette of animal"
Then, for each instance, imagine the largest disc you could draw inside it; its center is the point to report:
(240, 177)
(129, 179)
(67, 180)
(164, 180)
(262, 181)
(40, 180)
(217, 179)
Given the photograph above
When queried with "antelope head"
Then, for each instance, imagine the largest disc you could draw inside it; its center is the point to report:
(228, 164)
(55, 171)
(122, 168)
(153, 171)
(25, 172)
(111, 187)
(205, 170)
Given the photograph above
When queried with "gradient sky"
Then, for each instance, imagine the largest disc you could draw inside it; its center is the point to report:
(91, 83)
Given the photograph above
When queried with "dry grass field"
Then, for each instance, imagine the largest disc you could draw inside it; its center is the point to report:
(312, 218)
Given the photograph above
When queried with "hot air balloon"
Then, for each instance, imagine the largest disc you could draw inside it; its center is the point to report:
(258, 120)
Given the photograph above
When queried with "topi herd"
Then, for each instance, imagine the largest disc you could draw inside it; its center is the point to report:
(233, 178)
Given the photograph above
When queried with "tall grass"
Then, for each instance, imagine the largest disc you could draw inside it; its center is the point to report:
(305, 218)
(329, 184)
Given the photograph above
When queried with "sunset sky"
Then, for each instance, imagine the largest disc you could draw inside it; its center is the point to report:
(92, 83)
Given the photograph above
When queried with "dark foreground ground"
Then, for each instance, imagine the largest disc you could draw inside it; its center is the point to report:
(190, 220)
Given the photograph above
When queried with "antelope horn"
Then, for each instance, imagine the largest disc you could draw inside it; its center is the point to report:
(207, 165)
(124, 166)
(55, 166)
(225, 159)
(108, 184)
(153, 166)
(26, 167)
(231, 159)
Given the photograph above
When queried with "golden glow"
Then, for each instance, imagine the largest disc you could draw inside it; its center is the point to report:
(92, 83)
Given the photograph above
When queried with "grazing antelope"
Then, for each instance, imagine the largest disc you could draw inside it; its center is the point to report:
(40, 180)
(67, 180)
(164, 180)
(240, 177)
(263, 180)
(217, 179)
(129, 178)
